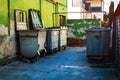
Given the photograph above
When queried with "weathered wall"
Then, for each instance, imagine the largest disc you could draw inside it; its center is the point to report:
(76, 27)
(7, 42)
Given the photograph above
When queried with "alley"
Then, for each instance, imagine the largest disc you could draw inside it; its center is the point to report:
(69, 64)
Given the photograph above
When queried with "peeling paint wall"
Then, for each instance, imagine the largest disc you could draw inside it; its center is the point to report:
(7, 42)
(77, 27)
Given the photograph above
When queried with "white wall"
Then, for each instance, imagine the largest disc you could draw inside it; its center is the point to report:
(72, 8)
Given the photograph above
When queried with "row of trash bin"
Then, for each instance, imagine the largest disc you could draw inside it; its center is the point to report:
(40, 42)
(36, 40)
(56, 37)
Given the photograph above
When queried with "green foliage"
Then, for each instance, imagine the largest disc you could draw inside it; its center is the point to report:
(79, 25)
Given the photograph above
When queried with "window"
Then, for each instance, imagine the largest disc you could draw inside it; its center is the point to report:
(76, 3)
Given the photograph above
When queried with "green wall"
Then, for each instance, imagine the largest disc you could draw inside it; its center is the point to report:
(60, 7)
(47, 8)
(4, 12)
(23, 5)
(7, 43)
(64, 2)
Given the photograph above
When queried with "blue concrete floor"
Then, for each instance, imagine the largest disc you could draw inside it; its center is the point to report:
(69, 64)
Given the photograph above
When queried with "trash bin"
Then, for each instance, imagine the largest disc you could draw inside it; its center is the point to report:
(42, 41)
(28, 43)
(35, 23)
(98, 42)
(62, 37)
(52, 39)
(32, 43)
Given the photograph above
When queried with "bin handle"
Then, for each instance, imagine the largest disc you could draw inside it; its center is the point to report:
(98, 35)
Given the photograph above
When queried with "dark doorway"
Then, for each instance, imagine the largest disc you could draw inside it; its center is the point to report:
(62, 20)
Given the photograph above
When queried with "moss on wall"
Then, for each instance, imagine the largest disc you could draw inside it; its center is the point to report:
(77, 26)
(4, 12)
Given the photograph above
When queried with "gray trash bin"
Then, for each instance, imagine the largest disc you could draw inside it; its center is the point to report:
(32, 42)
(52, 39)
(98, 42)
(28, 43)
(62, 38)
(42, 42)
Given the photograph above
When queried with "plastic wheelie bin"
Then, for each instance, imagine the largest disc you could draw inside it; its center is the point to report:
(62, 38)
(52, 39)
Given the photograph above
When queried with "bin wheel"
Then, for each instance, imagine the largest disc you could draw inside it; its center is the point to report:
(90, 59)
(42, 53)
(64, 47)
(32, 60)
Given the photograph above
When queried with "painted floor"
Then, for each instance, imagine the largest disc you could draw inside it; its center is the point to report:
(69, 64)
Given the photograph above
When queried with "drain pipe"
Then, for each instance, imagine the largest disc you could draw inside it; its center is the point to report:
(9, 17)
(40, 6)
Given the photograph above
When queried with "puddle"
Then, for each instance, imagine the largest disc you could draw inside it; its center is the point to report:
(88, 66)
(71, 66)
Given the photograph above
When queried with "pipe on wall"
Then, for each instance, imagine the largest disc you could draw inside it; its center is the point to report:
(9, 17)
(51, 1)
(40, 6)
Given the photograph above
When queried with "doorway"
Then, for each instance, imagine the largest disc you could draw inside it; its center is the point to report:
(62, 20)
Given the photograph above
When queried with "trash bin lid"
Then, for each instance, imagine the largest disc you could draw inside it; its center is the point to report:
(97, 29)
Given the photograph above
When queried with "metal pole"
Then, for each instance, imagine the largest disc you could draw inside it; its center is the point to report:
(53, 18)
(9, 17)
(40, 7)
